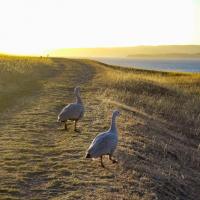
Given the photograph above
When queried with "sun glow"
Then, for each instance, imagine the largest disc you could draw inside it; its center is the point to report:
(36, 26)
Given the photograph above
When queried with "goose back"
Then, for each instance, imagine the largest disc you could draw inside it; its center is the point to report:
(73, 111)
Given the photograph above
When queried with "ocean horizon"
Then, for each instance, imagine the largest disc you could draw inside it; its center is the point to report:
(158, 64)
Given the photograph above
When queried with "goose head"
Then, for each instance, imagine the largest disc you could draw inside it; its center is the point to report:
(116, 113)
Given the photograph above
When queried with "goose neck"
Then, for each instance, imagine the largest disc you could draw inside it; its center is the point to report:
(78, 99)
(113, 123)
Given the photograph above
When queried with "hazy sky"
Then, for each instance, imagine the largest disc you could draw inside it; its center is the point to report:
(35, 26)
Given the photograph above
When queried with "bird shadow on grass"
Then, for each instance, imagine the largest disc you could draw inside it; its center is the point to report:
(77, 131)
(62, 129)
(111, 168)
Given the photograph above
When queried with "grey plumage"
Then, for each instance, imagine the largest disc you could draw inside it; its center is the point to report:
(105, 143)
(73, 111)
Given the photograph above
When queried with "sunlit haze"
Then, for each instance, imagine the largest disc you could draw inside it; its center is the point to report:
(37, 26)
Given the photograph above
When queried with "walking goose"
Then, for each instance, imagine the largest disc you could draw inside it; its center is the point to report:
(73, 111)
(105, 143)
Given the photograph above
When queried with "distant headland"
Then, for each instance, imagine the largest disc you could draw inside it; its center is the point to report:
(136, 51)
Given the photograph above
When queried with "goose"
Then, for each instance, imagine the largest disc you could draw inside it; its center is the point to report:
(73, 111)
(105, 143)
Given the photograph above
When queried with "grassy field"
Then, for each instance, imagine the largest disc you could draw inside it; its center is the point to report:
(21, 76)
(158, 152)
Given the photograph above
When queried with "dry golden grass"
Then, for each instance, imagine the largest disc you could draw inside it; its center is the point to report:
(172, 96)
(159, 130)
(157, 159)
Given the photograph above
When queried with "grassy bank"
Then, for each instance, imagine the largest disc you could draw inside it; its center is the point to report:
(22, 76)
(169, 95)
(160, 133)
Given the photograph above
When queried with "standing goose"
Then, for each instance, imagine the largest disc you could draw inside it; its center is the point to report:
(73, 111)
(105, 143)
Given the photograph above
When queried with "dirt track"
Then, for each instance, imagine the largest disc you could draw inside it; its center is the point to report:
(38, 159)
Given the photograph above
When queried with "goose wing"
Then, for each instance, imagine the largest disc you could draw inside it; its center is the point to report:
(72, 111)
(103, 144)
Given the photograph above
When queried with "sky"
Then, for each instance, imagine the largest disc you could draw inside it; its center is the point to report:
(37, 26)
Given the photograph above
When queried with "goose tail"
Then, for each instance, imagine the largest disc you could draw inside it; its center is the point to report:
(58, 120)
(87, 155)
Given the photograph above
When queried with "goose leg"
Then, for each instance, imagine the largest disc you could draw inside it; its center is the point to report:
(75, 122)
(65, 125)
(112, 159)
(102, 162)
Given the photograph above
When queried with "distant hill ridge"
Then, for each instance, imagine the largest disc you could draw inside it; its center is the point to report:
(163, 50)
(196, 55)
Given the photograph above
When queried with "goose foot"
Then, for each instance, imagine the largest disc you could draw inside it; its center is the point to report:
(102, 165)
(112, 159)
(77, 130)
